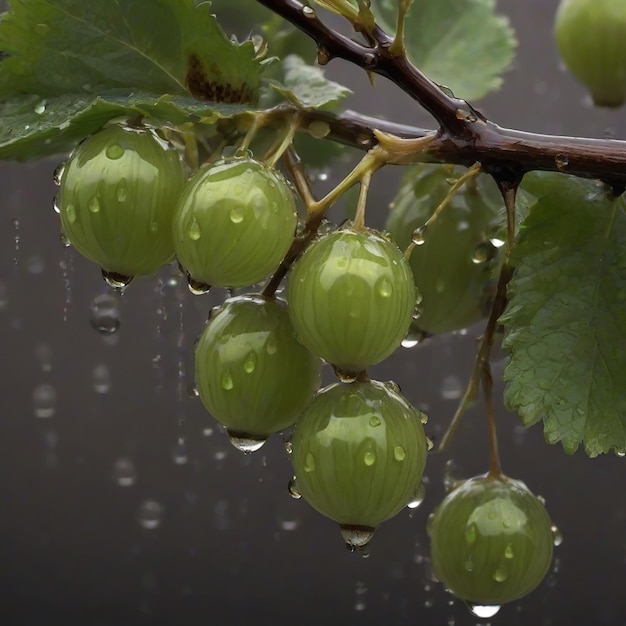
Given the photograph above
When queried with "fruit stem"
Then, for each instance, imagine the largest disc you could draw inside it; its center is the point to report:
(279, 148)
(495, 468)
(295, 169)
(397, 47)
(257, 123)
(359, 219)
(469, 175)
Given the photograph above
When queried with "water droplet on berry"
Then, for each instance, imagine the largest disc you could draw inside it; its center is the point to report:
(121, 192)
(40, 108)
(374, 421)
(194, 233)
(250, 363)
(270, 346)
(482, 610)
(470, 534)
(94, 204)
(393, 386)
(469, 564)
(384, 287)
(309, 463)
(115, 151)
(399, 453)
(356, 537)
(419, 235)
(227, 381)
(246, 443)
(70, 213)
(105, 314)
(369, 458)
(509, 553)
(116, 281)
(346, 377)
(236, 215)
(292, 487)
(500, 574)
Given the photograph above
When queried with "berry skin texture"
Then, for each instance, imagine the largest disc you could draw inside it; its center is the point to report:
(454, 266)
(491, 540)
(117, 197)
(235, 222)
(252, 374)
(351, 298)
(358, 453)
(590, 38)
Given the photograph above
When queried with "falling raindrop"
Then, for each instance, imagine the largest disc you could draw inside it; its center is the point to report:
(289, 524)
(360, 592)
(124, 472)
(44, 400)
(101, 378)
(43, 352)
(451, 388)
(149, 514)
(105, 314)
(180, 456)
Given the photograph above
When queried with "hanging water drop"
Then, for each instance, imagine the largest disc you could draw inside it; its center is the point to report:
(483, 252)
(195, 232)
(246, 443)
(482, 610)
(292, 487)
(58, 175)
(419, 235)
(105, 314)
(196, 287)
(417, 497)
(356, 537)
(116, 281)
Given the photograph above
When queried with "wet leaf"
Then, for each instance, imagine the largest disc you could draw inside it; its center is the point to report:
(462, 44)
(58, 47)
(306, 86)
(31, 127)
(566, 318)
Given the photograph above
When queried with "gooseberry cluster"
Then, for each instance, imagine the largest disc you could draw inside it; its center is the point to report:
(359, 449)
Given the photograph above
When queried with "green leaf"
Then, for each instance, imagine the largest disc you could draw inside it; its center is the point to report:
(59, 47)
(566, 318)
(462, 44)
(306, 86)
(31, 127)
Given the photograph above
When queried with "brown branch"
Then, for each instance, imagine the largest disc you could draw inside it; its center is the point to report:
(465, 135)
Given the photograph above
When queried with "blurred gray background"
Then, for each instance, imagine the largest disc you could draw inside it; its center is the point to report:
(123, 504)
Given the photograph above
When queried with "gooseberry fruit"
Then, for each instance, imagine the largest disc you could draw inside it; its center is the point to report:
(590, 38)
(117, 196)
(252, 374)
(235, 222)
(351, 298)
(453, 262)
(491, 540)
(358, 453)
